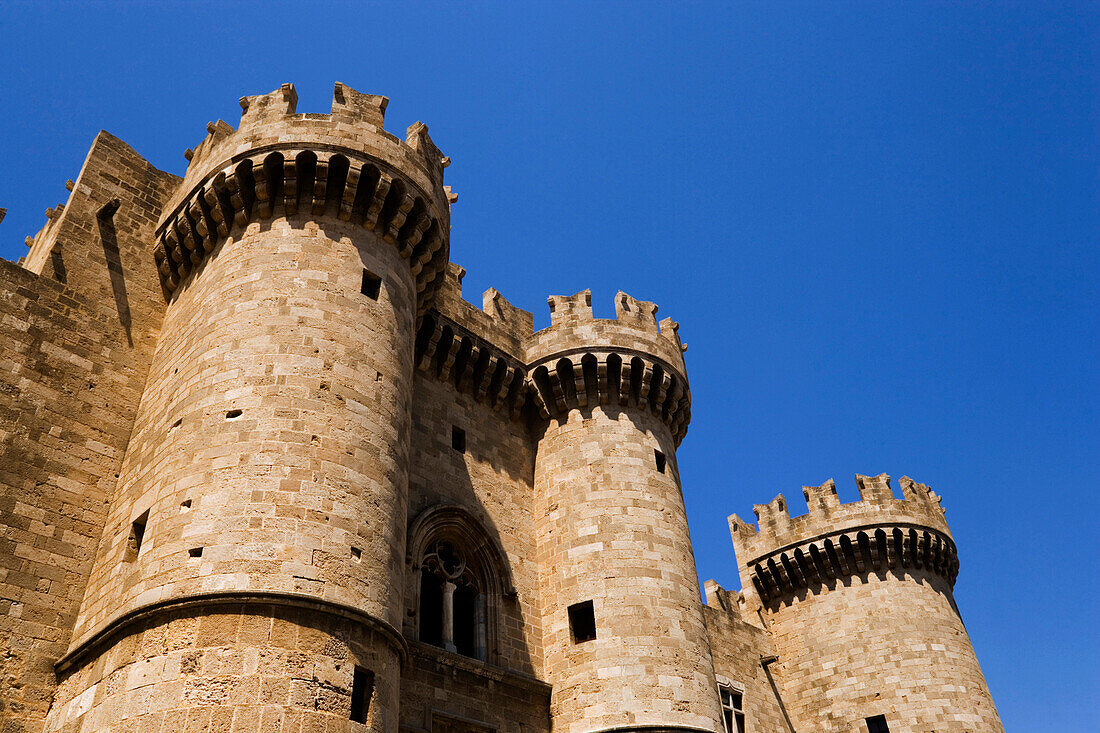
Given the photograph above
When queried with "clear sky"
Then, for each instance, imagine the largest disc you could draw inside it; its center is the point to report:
(877, 225)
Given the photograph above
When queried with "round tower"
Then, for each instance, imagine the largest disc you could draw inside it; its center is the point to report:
(625, 641)
(857, 599)
(251, 567)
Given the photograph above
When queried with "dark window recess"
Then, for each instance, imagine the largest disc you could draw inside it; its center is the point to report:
(582, 620)
(362, 689)
(660, 458)
(465, 620)
(195, 552)
(137, 534)
(458, 439)
(372, 285)
(877, 724)
(431, 608)
(233, 414)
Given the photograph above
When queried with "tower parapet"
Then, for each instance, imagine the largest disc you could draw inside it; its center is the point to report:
(581, 361)
(342, 164)
(881, 570)
(833, 540)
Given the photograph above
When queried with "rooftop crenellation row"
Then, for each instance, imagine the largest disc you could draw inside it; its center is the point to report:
(827, 515)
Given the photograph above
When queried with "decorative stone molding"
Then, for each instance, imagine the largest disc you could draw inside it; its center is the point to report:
(452, 354)
(630, 361)
(853, 552)
(834, 541)
(339, 183)
(584, 378)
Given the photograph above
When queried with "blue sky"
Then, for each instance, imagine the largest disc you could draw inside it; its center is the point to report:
(877, 225)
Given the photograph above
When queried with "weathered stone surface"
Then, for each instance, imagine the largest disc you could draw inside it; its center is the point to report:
(263, 468)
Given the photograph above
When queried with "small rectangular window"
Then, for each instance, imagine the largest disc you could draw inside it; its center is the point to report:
(660, 458)
(137, 534)
(362, 689)
(582, 621)
(195, 552)
(372, 285)
(733, 711)
(458, 439)
(877, 724)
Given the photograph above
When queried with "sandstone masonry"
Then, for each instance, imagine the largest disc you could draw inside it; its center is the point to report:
(264, 469)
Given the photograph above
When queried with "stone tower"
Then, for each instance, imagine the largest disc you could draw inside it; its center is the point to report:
(625, 638)
(265, 483)
(857, 599)
(263, 468)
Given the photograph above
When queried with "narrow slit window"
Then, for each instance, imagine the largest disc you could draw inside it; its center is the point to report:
(137, 534)
(372, 285)
(659, 457)
(362, 689)
(877, 724)
(458, 439)
(582, 621)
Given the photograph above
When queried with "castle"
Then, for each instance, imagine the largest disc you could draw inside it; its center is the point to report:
(265, 469)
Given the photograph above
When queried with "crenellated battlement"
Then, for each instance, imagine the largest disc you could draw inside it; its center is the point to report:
(834, 539)
(580, 361)
(476, 350)
(282, 163)
(355, 122)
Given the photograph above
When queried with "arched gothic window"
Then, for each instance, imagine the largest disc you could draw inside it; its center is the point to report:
(457, 580)
(452, 605)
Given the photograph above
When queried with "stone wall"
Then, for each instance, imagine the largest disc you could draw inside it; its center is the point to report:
(492, 479)
(230, 668)
(888, 643)
(77, 332)
(740, 651)
(442, 692)
(273, 433)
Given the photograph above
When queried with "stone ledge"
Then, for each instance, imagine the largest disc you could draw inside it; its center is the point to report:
(478, 668)
(204, 601)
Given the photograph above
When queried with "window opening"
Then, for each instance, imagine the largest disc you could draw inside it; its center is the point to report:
(431, 607)
(877, 724)
(372, 285)
(137, 534)
(582, 621)
(452, 607)
(458, 439)
(465, 620)
(362, 689)
(660, 458)
(733, 708)
(195, 552)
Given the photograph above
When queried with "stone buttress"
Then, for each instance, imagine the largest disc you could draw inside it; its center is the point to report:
(624, 636)
(257, 534)
(857, 600)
